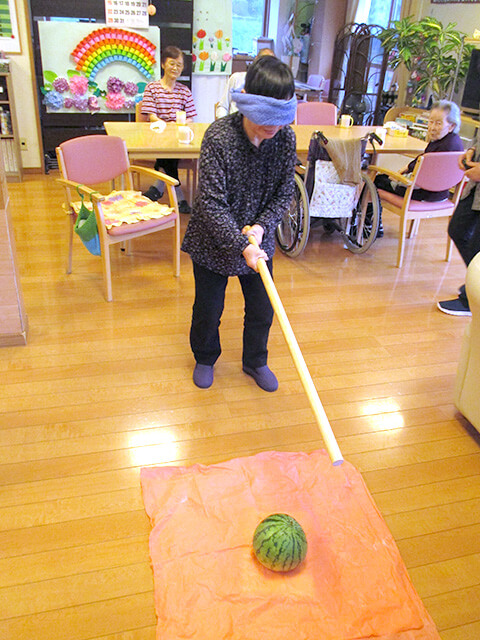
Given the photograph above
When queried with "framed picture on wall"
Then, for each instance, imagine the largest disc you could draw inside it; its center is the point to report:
(9, 36)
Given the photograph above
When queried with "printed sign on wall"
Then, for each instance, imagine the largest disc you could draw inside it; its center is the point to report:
(212, 37)
(127, 13)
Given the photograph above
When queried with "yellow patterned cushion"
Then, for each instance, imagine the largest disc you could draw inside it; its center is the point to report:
(127, 207)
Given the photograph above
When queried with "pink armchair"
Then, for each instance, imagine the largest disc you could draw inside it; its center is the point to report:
(437, 171)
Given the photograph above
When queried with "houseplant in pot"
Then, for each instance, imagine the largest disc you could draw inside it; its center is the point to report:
(435, 56)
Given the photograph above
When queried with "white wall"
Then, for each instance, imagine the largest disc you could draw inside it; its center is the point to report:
(328, 19)
(23, 95)
(466, 16)
(207, 90)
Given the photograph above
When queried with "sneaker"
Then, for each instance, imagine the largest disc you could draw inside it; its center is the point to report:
(184, 207)
(368, 220)
(152, 193)
(454, 307)
(203, 375)
(265, 378)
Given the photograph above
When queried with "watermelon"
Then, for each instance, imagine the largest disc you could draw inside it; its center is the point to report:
(279, 542)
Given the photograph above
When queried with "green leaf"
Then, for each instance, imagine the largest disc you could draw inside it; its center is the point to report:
(73, 72)
(49, 76)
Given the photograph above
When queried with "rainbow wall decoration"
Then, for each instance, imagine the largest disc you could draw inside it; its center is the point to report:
(107, 45)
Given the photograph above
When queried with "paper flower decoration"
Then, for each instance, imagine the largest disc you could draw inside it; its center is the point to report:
(213, 60)
(201, 33)
(78, 85)
(129, 103)
(61, 85)
(53, 100)
(203, 55)
(115, 101)
(92, 103)
(194, 60)
(131, 89)
(225, 59)
(80, 103)
(114, 85)
(219, 36)
(68, 104)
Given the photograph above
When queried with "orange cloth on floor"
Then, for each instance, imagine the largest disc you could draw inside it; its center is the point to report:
(353, 584)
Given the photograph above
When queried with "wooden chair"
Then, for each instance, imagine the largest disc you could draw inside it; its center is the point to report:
(95, 160)
(437, 171)
(316, 113)
(190, 166)
(394, 112)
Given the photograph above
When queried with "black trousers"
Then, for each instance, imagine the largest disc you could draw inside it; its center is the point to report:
(464, 229)
(169, 166)
(382, 181)
(208, 308)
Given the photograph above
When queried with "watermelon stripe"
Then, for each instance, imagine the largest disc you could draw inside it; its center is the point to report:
(281, 556)
(258, 550)
(279, 542)
(295, 552)
(260, 538)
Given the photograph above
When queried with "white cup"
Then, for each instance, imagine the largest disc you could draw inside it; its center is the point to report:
(184, 135)
(381, 132)
(181, 117)
(346, 120)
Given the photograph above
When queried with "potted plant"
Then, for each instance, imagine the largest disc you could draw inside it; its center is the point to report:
(436, 56)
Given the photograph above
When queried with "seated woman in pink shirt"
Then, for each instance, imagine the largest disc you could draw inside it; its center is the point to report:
(161, 101)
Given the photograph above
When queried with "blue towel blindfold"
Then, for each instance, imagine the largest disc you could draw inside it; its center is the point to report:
(264, 110)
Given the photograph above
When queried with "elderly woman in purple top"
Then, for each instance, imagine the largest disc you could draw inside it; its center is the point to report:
(442, 135)
(247, 165)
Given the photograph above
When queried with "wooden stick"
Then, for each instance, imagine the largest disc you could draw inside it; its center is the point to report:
(305, 377)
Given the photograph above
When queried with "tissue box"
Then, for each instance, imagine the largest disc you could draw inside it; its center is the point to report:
(398, 133)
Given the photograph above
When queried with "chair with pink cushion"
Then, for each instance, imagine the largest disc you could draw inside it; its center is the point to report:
(437, 171)
(318, 113)
(98, 160)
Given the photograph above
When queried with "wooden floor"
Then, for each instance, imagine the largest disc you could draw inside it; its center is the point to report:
(102, 389)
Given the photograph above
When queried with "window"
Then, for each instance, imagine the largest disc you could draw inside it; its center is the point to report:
(248, 22)
(383, 12)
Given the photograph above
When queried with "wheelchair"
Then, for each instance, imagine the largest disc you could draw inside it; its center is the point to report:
(358, 227)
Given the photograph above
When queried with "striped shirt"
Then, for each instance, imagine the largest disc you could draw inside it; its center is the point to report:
(165, 103)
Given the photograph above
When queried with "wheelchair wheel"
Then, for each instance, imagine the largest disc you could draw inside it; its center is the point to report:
(292, 232)
(360, 230)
